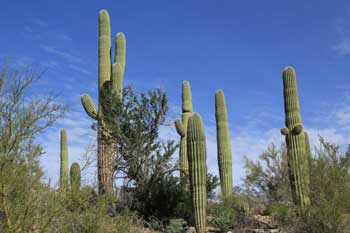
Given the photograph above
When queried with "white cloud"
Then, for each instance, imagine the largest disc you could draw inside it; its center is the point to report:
(343, 47)
(39, 22)
(69, 57)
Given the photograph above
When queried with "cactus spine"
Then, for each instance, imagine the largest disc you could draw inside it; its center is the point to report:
(110, 82)
(223, 144)
(196, 151)
(64, 160)
(75, 177)
(181, 127)
(298, 161)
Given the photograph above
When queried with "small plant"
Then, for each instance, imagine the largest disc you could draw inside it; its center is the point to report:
(223, 215)
(176, 226)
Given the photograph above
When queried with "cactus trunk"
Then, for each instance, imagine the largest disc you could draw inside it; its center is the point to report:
(298, 156)
(181, 127)
(196, 151)
(75, 177)
(110, 86)
(224, 145)
(64, 160)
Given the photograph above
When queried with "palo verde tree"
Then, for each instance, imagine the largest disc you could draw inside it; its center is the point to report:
(23, 117)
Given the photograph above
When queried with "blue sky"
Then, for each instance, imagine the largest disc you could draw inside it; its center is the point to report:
(240, 47)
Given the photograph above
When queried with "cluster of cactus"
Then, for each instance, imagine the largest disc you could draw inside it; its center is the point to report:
(223, 145)
(110, 83)
(297, 142)
(181, 128)
(192, 154)
(74, 169)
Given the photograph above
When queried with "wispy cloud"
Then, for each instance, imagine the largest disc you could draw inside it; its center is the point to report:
(39, 22)
(65, 55)
(343, 47)
(79, 69)
(64, 37)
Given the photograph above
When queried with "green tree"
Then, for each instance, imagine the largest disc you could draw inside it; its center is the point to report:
(22, 118)
(267, 178)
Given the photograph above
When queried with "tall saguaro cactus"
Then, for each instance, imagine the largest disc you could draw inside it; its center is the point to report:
(298, 156)
(75, 177)
(64, 160)
(196, 151)
(223, 144)
(110, 83)
(181, 127)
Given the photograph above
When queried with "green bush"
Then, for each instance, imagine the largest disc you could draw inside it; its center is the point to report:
(176, 226)
(224, 214)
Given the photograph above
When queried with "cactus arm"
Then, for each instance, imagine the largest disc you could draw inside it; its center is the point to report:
(120, 50)
(186, 97)
(117, 82)
(180, 128)
(285, 131)
(89, 106)
(104, 49)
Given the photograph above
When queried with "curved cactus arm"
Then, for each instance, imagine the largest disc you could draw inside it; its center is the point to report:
(117, 82)
(180, 128)
(89, 106)
(285, 131)
(120, 50)
(104, 49)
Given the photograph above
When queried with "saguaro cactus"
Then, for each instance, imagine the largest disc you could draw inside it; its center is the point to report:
(110, 82)
(196, 151)
(298, 161)
(64, 160)
(75, 177)
(181, 127)
(223, 144)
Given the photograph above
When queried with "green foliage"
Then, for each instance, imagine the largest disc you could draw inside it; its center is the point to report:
(223, 144)
(176, 226)
(88, 212)
(329, 191)
(222, 215)
(144, 162)
(64, 160)
(298, 156)
(196, 151)
(110, 82)
(22, 118)
(267, 178)
(27, 204)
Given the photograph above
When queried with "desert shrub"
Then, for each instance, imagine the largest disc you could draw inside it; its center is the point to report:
(224, 214)
(176, 226)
